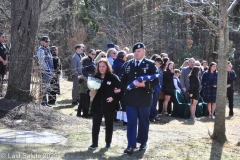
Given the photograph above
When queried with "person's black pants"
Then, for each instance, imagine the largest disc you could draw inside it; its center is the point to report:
(83, 104)
(97, 120)
(52, 97)
(230, 101)
(2, 73)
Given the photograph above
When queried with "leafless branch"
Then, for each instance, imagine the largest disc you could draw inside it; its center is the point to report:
(214, 7)
(46, 6)
(3, 12)
(232, 6)
(201, 16)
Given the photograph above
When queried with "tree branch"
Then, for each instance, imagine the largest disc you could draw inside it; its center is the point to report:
(201, 16)
(232, 6)
(46, 6)
(211, 4)
(3, 12)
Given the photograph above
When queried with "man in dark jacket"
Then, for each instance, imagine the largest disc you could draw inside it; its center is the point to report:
(138, 100)
(231, 77)
(117, 64)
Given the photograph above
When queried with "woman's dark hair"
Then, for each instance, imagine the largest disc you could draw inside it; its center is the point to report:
(109, 68)
(171, 62)
(195, 71)
(165, 60)
(154, 56)
(97, 52)
(53, 50)
(159, 60)
(210, 66)
(91, 50)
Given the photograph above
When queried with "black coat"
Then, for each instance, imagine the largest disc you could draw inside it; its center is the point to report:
(142, 96)
(168, 85)
(88, 65)
(117, 64)
(231, 77)
(100, 104)
(194, 84)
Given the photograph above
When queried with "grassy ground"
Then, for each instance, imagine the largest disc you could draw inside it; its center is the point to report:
(173, 138)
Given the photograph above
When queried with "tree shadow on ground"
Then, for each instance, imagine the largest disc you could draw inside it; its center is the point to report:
(100, 154)
(216, 150)
(65, 101)
(64, 107)
(7, 105)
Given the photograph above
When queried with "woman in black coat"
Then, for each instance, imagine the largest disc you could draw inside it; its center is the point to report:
(194, 87)
(55, 86)
(168, 86)
(104, 102)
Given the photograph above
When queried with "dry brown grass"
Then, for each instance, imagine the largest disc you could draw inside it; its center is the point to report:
(172, 138)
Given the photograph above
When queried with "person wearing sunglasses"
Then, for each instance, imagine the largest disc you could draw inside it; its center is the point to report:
(99, 56)
(45, 61)
(88, 69)
(3, 60)
(112, 55)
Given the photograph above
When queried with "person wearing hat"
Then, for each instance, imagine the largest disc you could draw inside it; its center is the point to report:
(138, 100)
(110, 45)
(45, 61)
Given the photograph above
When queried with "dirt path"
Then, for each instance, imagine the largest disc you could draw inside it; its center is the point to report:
(173, 138)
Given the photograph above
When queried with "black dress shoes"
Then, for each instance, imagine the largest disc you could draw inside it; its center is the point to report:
(142, 147)
(74, 103)
(128, 150)
(152, 120)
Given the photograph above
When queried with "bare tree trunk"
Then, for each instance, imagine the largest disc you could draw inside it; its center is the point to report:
(24, 26)
(223, 49)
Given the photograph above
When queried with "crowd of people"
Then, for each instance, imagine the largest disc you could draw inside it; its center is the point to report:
(134, 89)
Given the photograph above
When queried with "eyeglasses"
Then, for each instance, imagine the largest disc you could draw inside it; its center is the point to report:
(93, 54)
(103, 56)
(114, 53)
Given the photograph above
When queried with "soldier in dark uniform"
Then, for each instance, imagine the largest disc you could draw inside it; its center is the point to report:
(3, 60)
(138, 100)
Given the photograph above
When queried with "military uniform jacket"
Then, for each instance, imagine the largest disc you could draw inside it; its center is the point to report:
(141, 96)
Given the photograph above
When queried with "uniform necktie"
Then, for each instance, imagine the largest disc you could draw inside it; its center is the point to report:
(137, 63)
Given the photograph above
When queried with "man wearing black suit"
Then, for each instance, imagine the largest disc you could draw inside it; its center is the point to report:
(138, 100)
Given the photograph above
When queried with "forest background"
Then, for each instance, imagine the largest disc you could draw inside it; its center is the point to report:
(165, 26)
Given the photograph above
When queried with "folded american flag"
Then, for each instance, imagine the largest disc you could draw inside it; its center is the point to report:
(146, 78)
